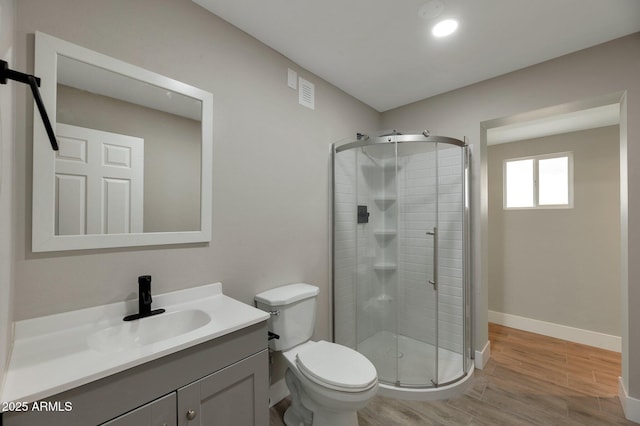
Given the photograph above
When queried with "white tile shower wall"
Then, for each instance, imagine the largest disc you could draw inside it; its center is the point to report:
(416, 185)
(344, 260)
(450, 256)
(417, 178)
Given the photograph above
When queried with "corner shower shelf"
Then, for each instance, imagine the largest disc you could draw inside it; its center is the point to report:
(384, 202)
(385, 267)
(386, 234)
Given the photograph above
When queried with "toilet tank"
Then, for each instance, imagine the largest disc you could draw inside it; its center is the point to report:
(293, 313)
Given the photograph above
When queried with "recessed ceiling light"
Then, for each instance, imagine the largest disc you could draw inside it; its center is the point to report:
(445, 28)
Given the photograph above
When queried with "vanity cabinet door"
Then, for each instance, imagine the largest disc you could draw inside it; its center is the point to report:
(161, 412)
(235, 395)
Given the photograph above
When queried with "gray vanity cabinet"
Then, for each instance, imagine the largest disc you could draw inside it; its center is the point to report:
(225, 398)
(161, 412)
(224, 381)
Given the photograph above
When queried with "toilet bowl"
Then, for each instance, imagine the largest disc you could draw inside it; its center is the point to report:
(333, 382)
(328, 382)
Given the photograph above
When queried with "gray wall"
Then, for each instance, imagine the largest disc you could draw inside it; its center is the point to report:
(560, 265)
(271, 160)
(6, 181)
(588, 74)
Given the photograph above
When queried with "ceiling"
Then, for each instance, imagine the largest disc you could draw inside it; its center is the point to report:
(382, 51)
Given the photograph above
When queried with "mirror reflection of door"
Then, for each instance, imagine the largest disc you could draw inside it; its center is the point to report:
(84, 88)
(99, 182)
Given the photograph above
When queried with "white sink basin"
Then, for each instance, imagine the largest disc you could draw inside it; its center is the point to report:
(145, 331)
(59, 352)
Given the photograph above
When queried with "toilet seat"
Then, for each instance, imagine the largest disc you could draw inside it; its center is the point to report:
(336, 367)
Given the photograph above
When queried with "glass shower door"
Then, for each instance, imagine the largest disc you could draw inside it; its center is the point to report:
(377, 258)
(417, 186)
(452, 319)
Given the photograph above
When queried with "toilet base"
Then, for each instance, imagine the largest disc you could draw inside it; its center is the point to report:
(305, 411)
(297, 414)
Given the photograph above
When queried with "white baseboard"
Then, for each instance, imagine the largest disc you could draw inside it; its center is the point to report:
(277, 392)
(482, 357)
(630, 406)
(572, 334)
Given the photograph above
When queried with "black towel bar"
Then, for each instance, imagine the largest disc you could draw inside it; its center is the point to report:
(34, 83)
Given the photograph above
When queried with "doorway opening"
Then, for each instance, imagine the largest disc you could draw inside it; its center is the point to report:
(560, 271)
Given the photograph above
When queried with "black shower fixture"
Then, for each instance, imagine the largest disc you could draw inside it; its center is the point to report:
(363, 214)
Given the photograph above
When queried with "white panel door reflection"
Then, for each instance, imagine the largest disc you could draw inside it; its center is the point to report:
(99, 182)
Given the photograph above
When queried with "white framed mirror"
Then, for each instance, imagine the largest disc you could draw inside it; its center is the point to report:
(135, 161)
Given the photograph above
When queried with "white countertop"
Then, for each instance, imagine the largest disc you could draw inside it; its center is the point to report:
(51, 354)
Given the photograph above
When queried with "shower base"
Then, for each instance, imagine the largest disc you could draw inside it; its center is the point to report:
(415, 364)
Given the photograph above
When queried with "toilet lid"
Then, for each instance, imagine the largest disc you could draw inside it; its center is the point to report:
(337, 367)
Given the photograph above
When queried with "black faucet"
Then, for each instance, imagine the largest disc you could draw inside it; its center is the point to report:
(144, 300)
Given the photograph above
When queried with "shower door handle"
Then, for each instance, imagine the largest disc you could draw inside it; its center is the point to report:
(434, 233)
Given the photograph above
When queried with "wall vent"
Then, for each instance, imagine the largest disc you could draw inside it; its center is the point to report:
(306, 93)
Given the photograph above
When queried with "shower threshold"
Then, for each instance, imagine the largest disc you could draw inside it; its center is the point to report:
(416, 365)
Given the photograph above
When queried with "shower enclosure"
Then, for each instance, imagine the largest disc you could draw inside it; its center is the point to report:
(401, 284)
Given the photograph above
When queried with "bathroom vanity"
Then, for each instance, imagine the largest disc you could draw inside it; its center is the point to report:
(205, 364)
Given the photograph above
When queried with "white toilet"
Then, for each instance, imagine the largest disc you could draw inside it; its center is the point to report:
(328, 382)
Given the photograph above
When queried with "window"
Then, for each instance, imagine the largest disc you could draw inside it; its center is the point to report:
(544, 181)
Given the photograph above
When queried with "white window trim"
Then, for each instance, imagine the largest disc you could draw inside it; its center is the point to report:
(535, 159)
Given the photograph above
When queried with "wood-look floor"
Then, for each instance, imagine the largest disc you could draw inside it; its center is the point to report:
(529, 380)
